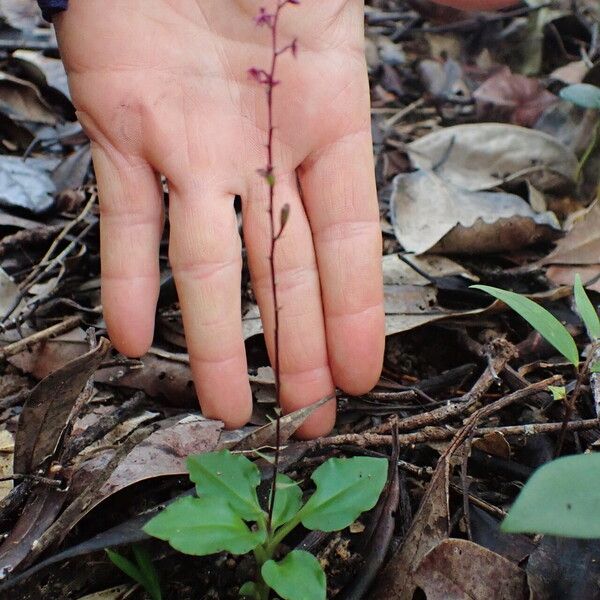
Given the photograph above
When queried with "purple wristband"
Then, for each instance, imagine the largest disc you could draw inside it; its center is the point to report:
(51, 7)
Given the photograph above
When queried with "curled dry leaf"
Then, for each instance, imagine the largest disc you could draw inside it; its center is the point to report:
(47, 409)
(162, 453)
(578, 252)
(484, 155)
(466, 221)
(507, 96)
(429, 527)
(461, 570)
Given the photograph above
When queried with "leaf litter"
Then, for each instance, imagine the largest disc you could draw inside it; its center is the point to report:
(468, 126)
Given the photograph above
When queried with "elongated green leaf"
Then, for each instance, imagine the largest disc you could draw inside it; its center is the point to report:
(586, 309)
(298, 576)
(125, 565)
(151, 583)
(288, 500)
(582, 94)
(561, 498)
(545, 323)
(346, 487)
(228, 478)
(201, 526)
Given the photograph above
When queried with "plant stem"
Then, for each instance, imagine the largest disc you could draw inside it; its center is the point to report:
(572, 401)
(270, 177)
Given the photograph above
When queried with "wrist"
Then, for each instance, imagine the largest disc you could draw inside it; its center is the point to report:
(51, 7)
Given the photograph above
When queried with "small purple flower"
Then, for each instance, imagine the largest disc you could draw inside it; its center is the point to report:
(264, 18)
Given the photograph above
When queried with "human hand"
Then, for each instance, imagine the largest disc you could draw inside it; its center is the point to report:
(161, 86)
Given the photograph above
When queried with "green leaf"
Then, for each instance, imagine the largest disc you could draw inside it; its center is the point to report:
(582, 94)
(586, 309)
(546, 324)
(595, 368)
(559, 392)
(201, 526)
(298, 576)
(151, 583)
(249, 589)
(346, 487)
(125, 565)
(288, 500)
(228, 477)
(561, 498)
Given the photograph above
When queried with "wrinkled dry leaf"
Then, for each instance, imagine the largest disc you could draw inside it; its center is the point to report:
(47, 409)
(428, 529)
(114, 593)
(571, 73)
(465, 221)
(443, 78)
(510, 97)
(25, 184)
(22, 101)
(156, 374)
(578, 252)
(484, 155)
(21, 14)
(43, 70)
(161, 454)
(9, 292)
(461, 570)
(7, 448)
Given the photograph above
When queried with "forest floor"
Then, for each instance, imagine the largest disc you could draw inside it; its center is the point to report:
(485, 175)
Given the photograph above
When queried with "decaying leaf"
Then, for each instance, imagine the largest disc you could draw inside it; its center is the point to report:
(161, 454)
(484, 155)
(461, 570)
(511, 97)
(578, 252)
(7, 448)
(465, 221)
(25, 184)
(48, 407)
(429, 528)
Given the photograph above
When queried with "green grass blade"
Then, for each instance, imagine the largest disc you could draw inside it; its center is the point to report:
(545, 323)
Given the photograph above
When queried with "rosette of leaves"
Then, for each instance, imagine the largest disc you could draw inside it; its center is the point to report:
(225, 515)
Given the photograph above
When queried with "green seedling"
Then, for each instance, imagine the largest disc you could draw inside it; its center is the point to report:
(141, 571)
(586, 96)
(226, 516)
(561, 497)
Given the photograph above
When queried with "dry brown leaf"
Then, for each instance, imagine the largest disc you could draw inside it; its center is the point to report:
(429, 528)
(465, 221)
(510, 97)
(578, 252)
(461, 570)
(47, 409)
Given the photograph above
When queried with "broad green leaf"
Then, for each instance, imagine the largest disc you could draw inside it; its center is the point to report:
(545, 323)
(346, 487)
(288, 500)
(298, 576)
(561, 498)
(595, 368)
(586, 309)
(201, 526)
(248, 589)
(559, 392)
(228, 478)
(130, 569)
(152, 584)
(582, 94)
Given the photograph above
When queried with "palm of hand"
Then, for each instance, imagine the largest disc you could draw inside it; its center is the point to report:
(161, 86)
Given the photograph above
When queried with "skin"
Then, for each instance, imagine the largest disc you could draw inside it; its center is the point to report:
(161, 87)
